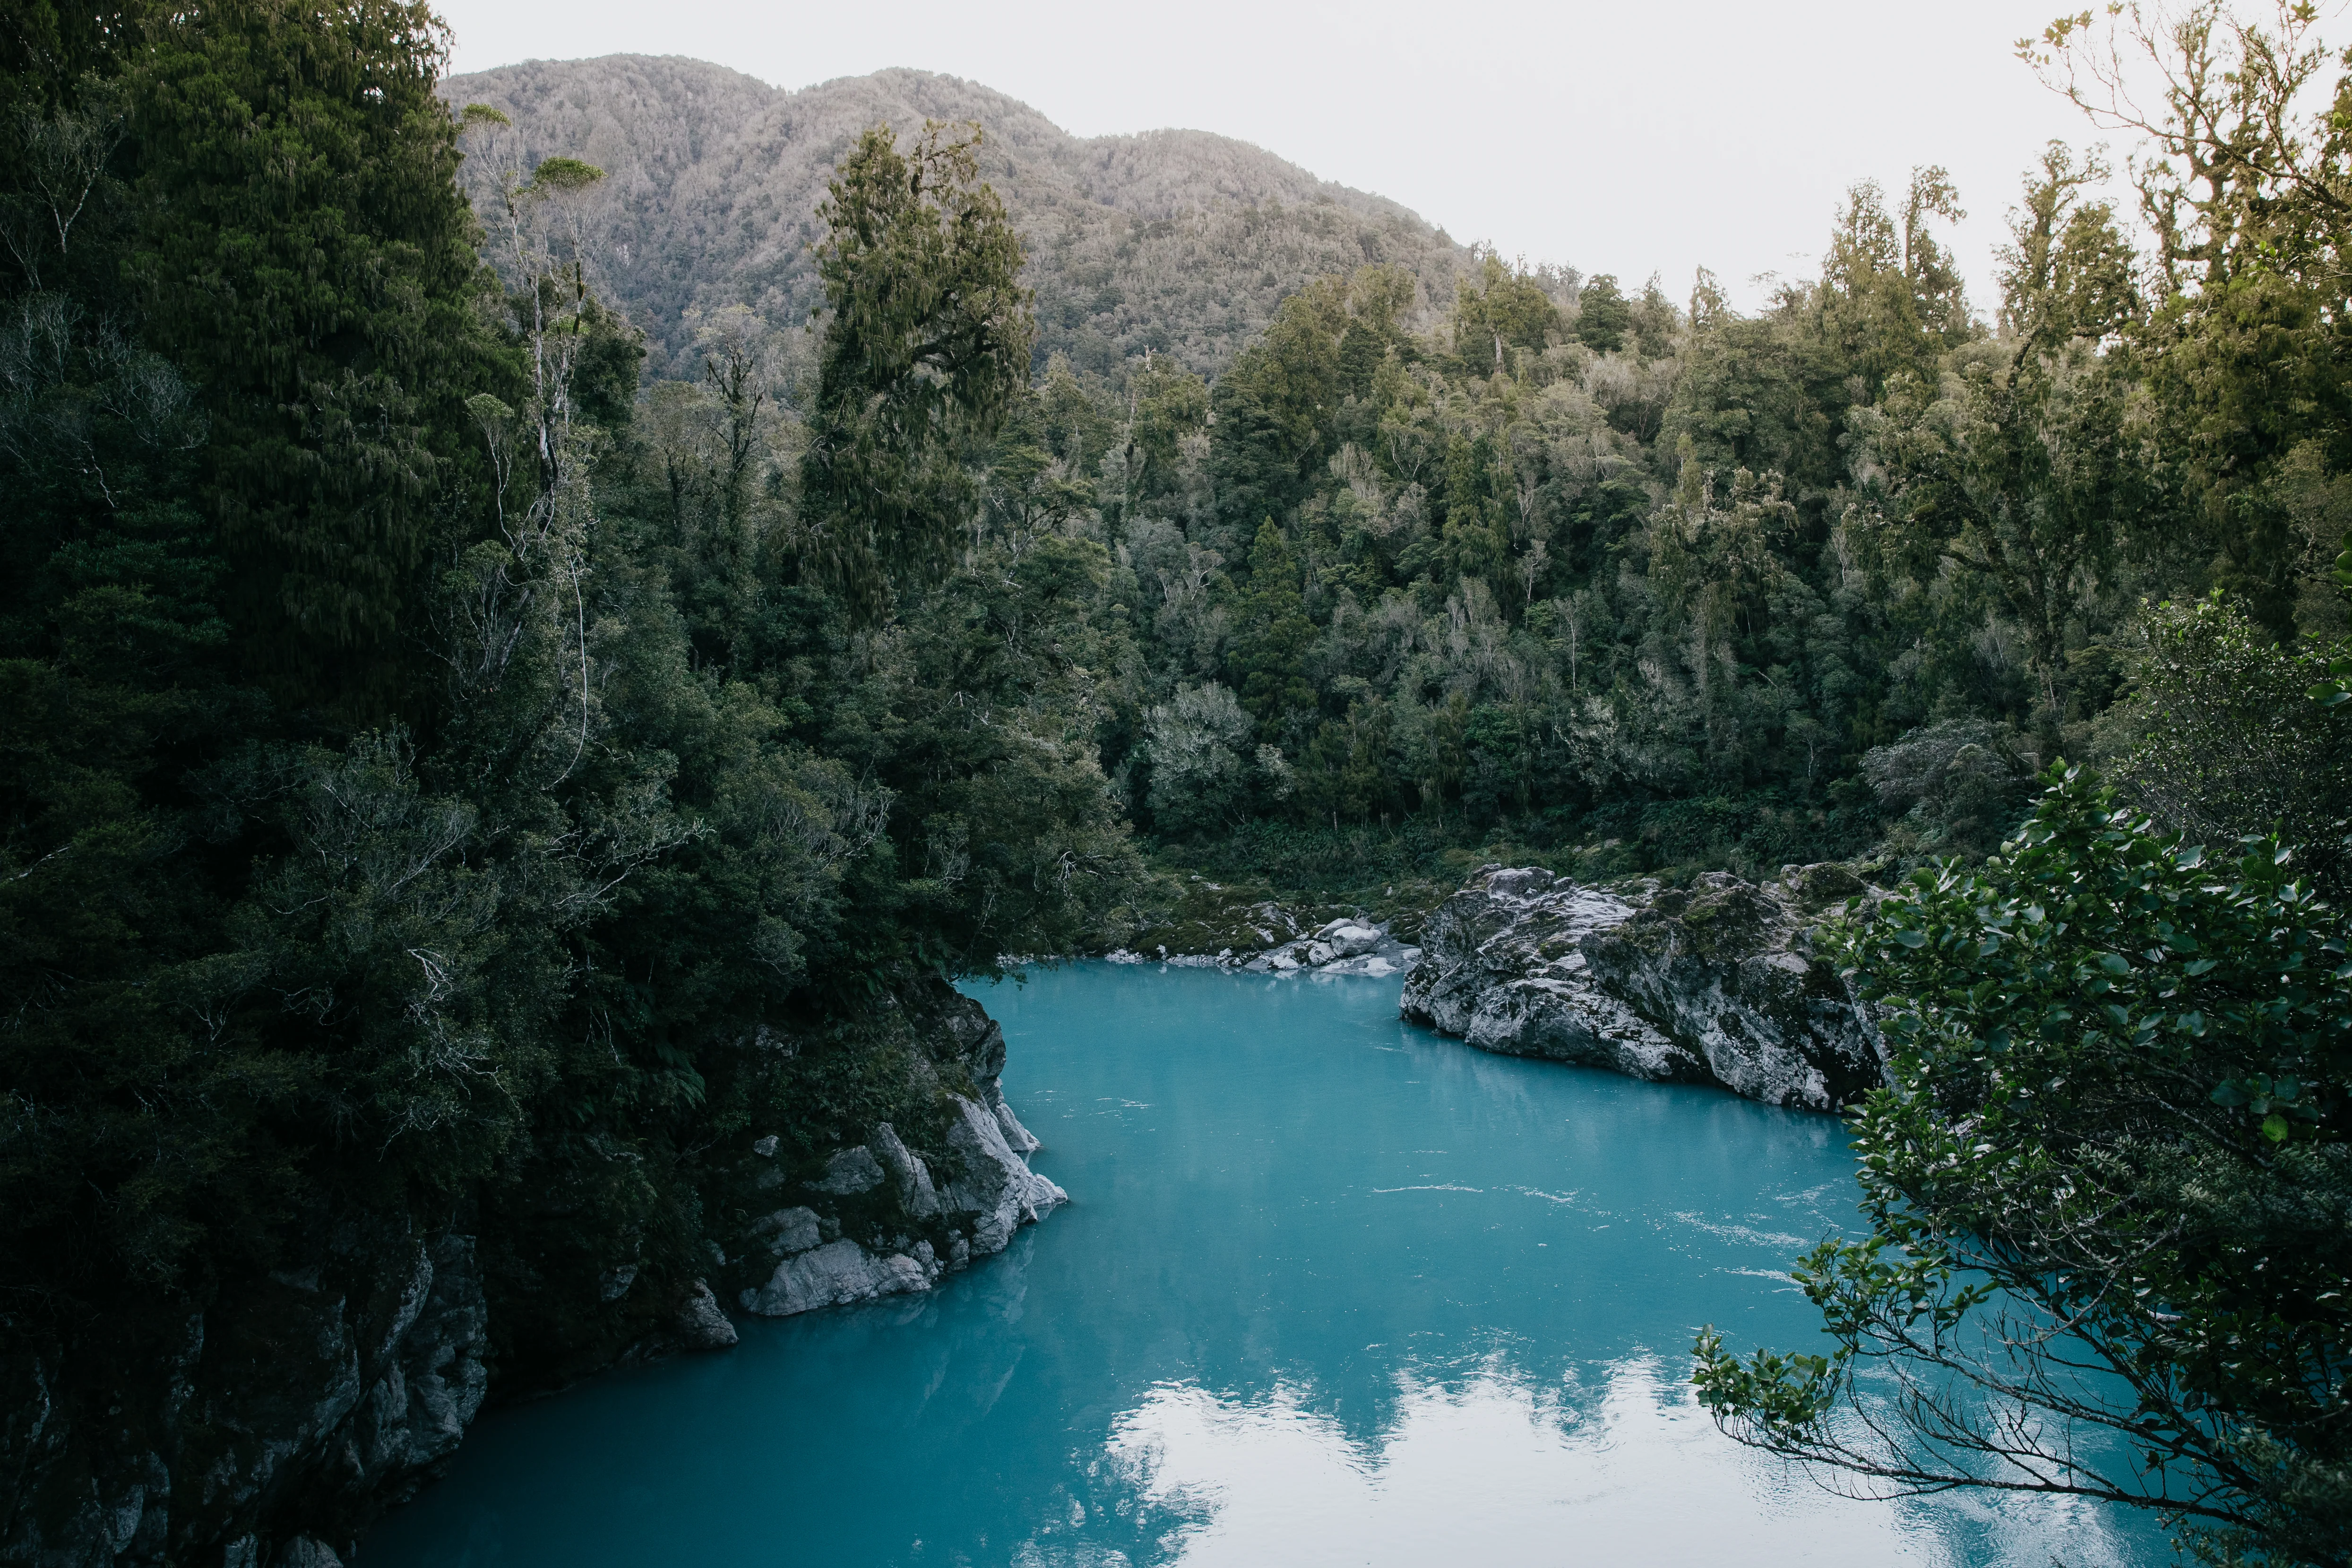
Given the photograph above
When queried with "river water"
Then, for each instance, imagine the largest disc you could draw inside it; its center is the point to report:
(1332, 1290)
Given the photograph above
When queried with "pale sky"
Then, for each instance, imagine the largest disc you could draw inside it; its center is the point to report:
(1615, 138)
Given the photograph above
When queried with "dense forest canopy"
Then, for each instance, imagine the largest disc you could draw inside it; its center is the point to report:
(1573, 560)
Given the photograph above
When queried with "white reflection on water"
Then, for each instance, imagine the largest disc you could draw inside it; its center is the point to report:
(1490, 1470)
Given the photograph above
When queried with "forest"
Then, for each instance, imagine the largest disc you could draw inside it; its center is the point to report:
(441, 752)
(1655, 585)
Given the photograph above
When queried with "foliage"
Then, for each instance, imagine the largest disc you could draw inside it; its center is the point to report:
(1560, 552)
(433, 772)
(927, 342)
(2230, 744)
(2106, 1191)
(307, 263)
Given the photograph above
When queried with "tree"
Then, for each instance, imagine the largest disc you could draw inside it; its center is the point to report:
(2022, 475)
(2247, 181)
(1602, 315)
(2230, 156)
(1198, 743)
(1272, 634)
(1504, 309)
(2068, 272)
(306, 259)
(2107, 1193)
(2017, 462)
(1891, 296)
(926, 347)
(2231, 746)
(1271, 413)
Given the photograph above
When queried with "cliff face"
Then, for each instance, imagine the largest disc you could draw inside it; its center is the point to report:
(266, 1424)
(312, 1395)
(1713, 984)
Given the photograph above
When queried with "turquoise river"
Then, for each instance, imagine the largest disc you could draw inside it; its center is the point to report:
(1331, 1290)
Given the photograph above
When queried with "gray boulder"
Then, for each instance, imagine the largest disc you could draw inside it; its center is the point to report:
(1713, 984)
(997, 1184)
(787, 1230)
(835, 1275)
(701, 1324)
(893, 1196)
(851, 1171)
(907, 1172)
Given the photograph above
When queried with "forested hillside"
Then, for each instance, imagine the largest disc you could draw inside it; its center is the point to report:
(1653, 583)
(1178, 242)
(1461, 550)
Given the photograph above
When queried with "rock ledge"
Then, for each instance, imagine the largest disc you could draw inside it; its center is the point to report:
(1714, 983)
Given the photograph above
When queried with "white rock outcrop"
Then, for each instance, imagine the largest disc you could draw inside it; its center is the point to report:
(795, 1229)
(992, 1195)
(834, 1275)
(997, 1184)
(1716, 983)
(909, 1173)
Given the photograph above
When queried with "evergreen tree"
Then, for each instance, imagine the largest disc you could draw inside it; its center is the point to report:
(927, 345)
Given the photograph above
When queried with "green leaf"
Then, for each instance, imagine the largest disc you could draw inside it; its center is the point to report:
(2274, 1128)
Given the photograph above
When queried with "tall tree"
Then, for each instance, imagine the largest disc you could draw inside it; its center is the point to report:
(925, 348)
(309, 260)
(2248, 185)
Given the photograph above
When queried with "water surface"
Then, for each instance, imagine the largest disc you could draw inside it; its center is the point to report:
(1332, 1290)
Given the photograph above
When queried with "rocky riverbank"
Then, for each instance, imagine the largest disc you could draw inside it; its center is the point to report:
(267, 1423)
(1716, 983)
(880, 1219)
(1348, 945)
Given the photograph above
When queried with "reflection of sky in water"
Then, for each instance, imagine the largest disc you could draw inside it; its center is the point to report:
(1332, 1290)
(1491, 1470)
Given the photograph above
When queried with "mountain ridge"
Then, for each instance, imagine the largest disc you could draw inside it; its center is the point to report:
(1174, 240)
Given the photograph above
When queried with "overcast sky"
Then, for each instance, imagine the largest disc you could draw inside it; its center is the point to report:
(1616, 137)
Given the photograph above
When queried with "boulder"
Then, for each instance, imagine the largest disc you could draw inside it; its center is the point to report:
(907, 1172)
(701, 1324)
(851, 1171)
(1019, 1139)
(995, 1184)
(1716, 983)
(787, 1230)
(1345, 946)
(834, 1275)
